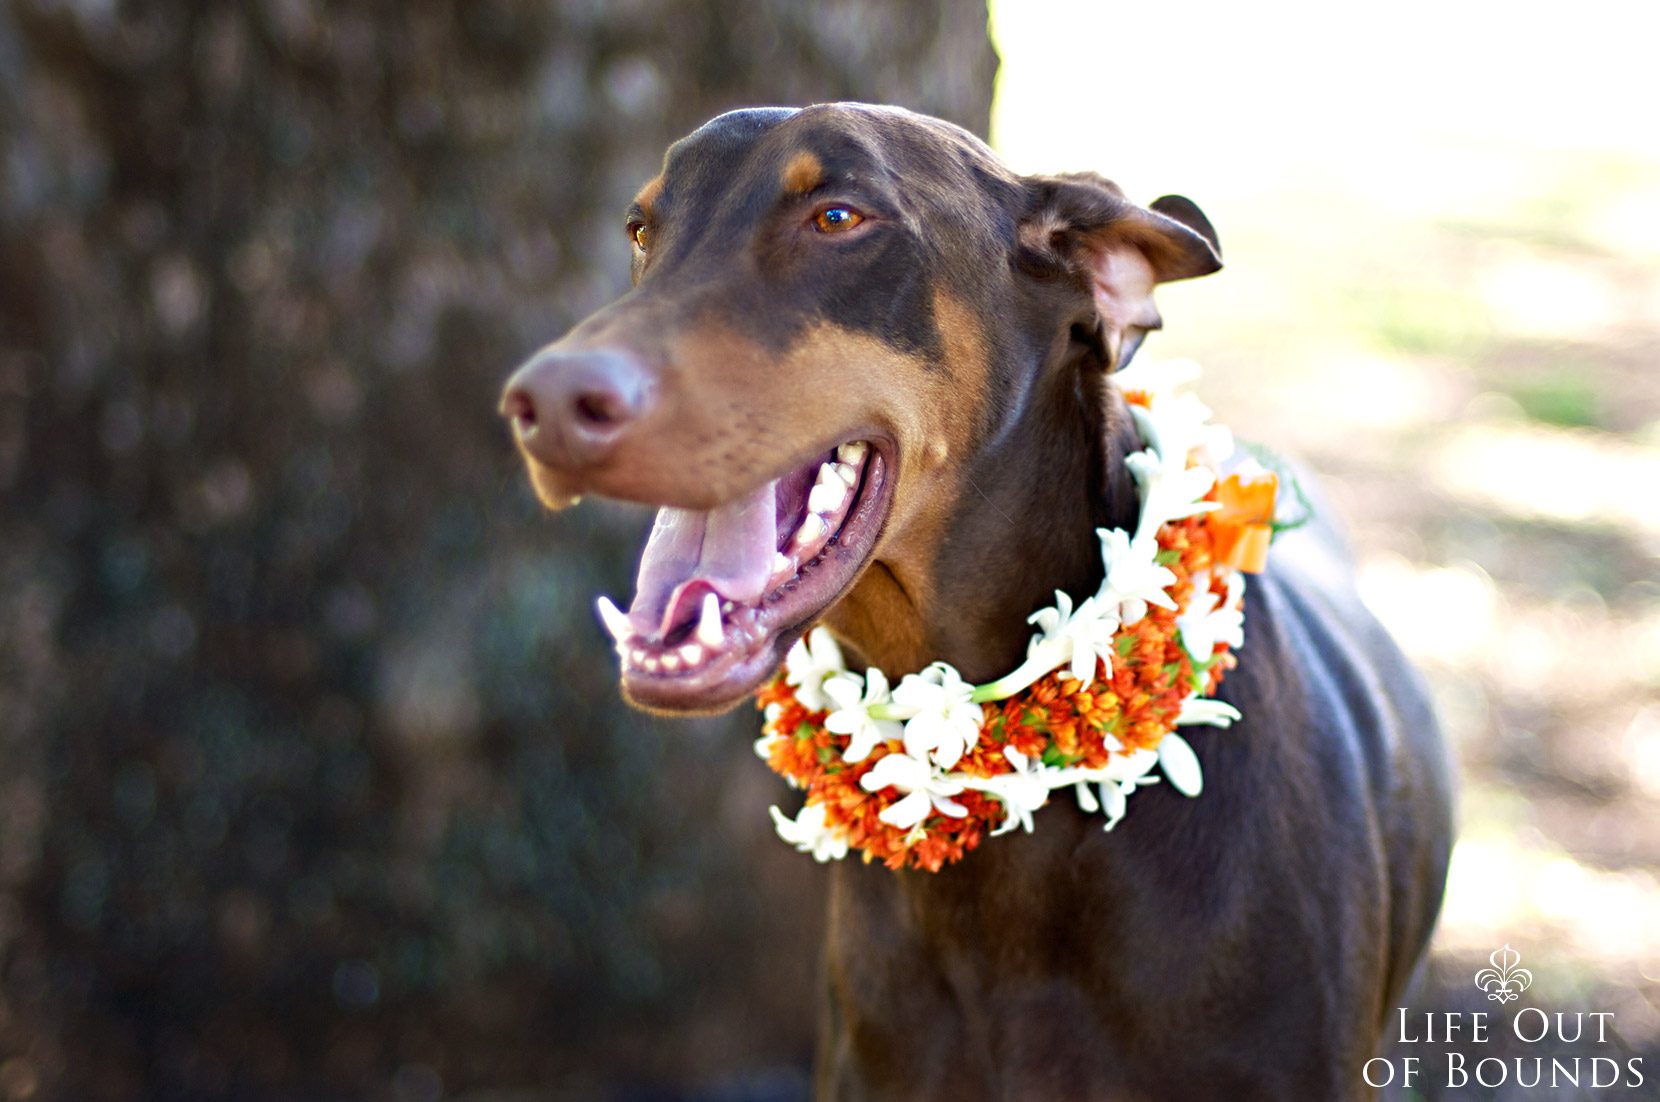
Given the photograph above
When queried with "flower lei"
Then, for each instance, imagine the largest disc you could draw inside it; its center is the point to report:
(919, 773)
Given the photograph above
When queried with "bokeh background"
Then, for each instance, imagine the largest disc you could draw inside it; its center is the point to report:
(1442, 228)
(313, 783)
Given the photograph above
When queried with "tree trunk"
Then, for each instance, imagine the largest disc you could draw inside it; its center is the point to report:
(313, 778)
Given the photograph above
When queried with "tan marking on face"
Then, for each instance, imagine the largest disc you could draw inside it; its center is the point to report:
(712, 434)
(732, 413)
(550, 491)
(880, 624)
(804, 173)
(883, 617)
(736, 414)
(648, 195)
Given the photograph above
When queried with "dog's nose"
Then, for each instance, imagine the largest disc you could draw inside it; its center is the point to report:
(572, 408)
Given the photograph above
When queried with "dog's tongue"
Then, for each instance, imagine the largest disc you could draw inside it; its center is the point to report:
(728, 550)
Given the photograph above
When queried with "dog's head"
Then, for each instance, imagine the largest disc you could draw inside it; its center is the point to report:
(835, 310)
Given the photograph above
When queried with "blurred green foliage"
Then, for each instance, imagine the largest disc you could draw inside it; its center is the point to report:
(1418, 319)
(1567, 399)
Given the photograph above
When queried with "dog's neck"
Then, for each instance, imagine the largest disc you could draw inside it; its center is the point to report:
(1022, 526)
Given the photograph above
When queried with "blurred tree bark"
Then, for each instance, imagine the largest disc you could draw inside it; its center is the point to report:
(313, 780)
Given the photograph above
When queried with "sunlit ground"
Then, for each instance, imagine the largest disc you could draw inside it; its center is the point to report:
(1443, 291)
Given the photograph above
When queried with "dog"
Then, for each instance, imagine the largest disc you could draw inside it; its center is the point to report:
(869, 283)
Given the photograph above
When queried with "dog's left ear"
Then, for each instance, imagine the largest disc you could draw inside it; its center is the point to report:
(1081, 223)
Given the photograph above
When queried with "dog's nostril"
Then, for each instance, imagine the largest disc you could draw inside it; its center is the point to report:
(607, 392)
(601, 410)
(520, 410)
(571, 409)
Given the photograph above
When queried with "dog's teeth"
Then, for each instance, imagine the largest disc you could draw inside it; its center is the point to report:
(614, 620)
(826, 497)
(652, 664)
(782, 563)
(851, 453)
(828, 491)
(846, 473)
(811, 531)
(692, 653)
(638, 656)
(727, 606)
(671, 662)
(708, 623)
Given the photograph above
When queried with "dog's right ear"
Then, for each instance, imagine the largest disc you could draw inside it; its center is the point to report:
(1082, 225)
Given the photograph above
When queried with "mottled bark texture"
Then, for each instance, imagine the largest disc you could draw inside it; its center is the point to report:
(313, 779)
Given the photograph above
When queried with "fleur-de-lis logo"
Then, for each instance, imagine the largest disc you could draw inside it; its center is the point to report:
(1506, 980)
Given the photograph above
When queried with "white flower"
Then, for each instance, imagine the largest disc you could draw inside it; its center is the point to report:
(1235, 598)
(851, 716)
(809, 833)
(1217, 445)
(1134, 577)
(1200, 709)
(945, 721)
(1181, 765)
(809, 662)
(1115, 798)
(1022, 791)
(1157, 377)
(1173, 426)
(1115, 784)
(1210, 619)
(1169, 491)
(1083, 635)
(1129, 767)
(925, 789)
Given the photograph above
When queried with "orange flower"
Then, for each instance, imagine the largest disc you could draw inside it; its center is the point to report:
(1242, 528)
(1136, 700)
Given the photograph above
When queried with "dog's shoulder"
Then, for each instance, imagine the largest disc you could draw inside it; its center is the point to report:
(1350, 727)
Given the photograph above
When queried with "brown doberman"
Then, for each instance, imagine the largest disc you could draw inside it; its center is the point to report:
(873, 291)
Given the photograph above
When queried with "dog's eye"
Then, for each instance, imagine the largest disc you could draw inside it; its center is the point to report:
(836, 219)
(637, 234)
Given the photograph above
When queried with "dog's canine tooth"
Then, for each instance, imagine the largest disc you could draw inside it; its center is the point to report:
(811, 531)
(709, 631)
(691, 653)
(851, 453)
(614, 620)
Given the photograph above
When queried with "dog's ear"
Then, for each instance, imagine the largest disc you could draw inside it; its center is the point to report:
(1081, 224)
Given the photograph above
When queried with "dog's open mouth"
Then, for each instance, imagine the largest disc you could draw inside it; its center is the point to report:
(720, 593)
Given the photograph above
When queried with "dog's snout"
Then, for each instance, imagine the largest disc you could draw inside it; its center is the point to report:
(572, 408)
